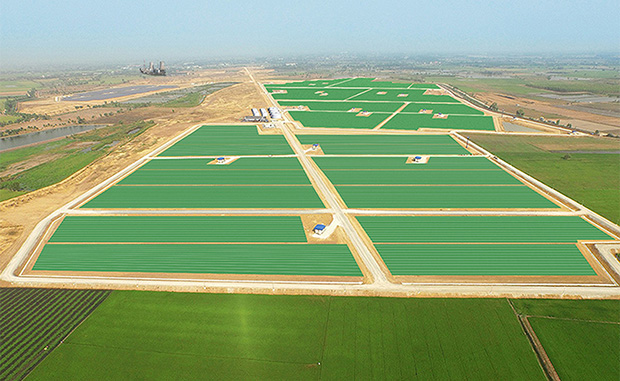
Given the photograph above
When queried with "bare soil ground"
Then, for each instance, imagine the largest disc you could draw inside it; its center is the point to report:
(579, 119)
(19, 215)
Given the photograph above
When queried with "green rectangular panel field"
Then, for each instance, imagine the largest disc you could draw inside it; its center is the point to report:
(235, 336)
(180, 229)
(372, 82)
(419, 177)
(580, 350)
(399, 163)
(264, 259)
(488, 260)
(385, 144)
(344, 106)
(323, 93)
(232, 177)
(276, 162)
(508, 229)
(440, 197)
(207, 197)
(453, 122)
(227, 141)
(448, 108)
(408, 95)
(334, 119)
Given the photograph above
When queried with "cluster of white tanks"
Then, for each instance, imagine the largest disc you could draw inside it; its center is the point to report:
(273, 112)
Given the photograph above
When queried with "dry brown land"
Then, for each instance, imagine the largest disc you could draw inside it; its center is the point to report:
(579, 119)
(19, 215)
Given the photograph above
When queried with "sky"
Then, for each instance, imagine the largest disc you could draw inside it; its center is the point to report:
(76, 32)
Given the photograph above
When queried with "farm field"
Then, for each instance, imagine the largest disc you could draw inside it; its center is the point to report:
(385, 144)
(300, 337)
(580, 337)
(35, 321)
(571, 166)
(335, 119)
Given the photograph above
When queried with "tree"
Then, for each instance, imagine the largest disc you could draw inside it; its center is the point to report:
(493, 106)
(520, 112)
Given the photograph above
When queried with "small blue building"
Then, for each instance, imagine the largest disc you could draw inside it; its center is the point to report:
(319, 229)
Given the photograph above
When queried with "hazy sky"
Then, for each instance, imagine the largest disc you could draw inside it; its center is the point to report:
(67, 31)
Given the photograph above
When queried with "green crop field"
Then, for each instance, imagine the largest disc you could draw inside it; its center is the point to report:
(453, 122)
(34, 321)
(344, 106)
(229, 140)
(580, 337)
(179, 229)
(323, 93)
(385, 144)
(265, 259)
(488, 260)
(592, 179)
(334, 119)
(158, 335)
(399, 163)
(498, 229)
(155, 197)
(448, 108)
(270, 163)
(433, 197)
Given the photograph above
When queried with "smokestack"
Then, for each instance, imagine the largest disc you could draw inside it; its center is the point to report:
(161, 65)
(151, 67)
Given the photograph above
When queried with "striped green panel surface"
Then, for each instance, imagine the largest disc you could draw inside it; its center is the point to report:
(334, 119)
(453, 122)
(385, 144)
(323, 93)
(276, 162)
(344, 106)
(438, 197)
(197, 177)
(265, 259)
(180, 229)
(399, 163)
(490, 260)
(450, 108)
(508, 229)
(207, 197)
(420, 177)
(409, 95)
(229, 140)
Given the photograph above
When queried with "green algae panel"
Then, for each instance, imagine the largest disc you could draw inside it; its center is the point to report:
(335, 119)
(312, 83)
(344, 106)
(385, 144)
(508, 229)
(197, 177)
(207, 197)
(436, 197)
(180, 229)
(447, 108)
(399, 163)
(264, 259)
(227, 141)
(323, 93)
(490, 260)
(453, 122)
(419, 177)
(276, 162)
